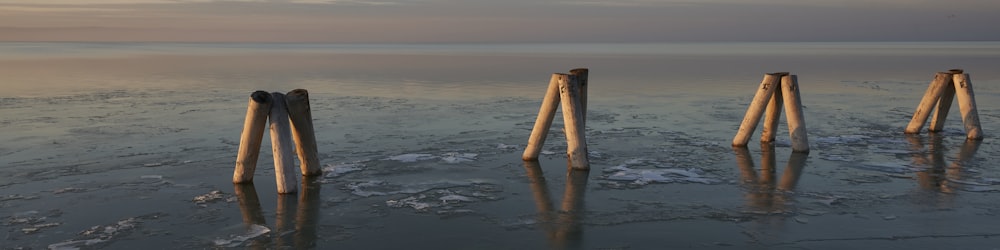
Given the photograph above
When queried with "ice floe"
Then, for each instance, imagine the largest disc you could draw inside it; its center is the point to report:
(92, 237)
(658, 175)
(252, 231)
(455, 157)
(334, 170)
(412, 157)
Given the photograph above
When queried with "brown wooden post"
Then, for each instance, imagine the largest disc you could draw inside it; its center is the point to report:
(772, 116)
(544, 120)
(576, 139)
(793, 112)
(253, 134)
(281, 146)
(300, 115)
(967, 106)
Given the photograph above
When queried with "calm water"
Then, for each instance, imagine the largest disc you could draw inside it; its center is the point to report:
(122, 145)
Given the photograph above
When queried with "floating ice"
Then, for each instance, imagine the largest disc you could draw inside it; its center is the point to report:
(455, 157)
(68, 190)
(662, 175)
(209, 197)
(412, 157)
(506, 146)
(334, 170)
(35, 228)
(455, 198)
(412, 201)
(979, 189)
(252, 231)
(151, 177)
(103, 233)
(546, 152)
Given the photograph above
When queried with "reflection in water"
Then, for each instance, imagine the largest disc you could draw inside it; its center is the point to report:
(764, 194)
(562, 228)
(938, 178)
(295, 222)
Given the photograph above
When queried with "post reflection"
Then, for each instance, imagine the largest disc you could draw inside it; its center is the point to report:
(296, 217)
(562, 228)
(764, 194)
(939, 177)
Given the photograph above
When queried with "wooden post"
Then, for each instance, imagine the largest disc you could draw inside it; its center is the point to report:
(281, 146)
(302, 131)
(545, 115)
(582, 75)
(756, 109)
(793, 112)
(967, 106)
(576, 139)
(250, 139)
(933, 95)
(772, 116)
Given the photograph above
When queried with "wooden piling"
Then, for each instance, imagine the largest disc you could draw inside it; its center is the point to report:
(793, 113)
(300, 115)
(281, 146)
(756, 109)
(967, 106)
(576, 139)
(544, 120)
(933, 95)
(582, 75)
(772, 116)
(253, 134)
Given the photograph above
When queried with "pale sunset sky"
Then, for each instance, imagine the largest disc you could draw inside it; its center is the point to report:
(498, 21)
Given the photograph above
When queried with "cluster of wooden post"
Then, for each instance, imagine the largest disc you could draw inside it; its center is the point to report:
(945, 88)
(290, 118)
(776, 90)
(569, 90)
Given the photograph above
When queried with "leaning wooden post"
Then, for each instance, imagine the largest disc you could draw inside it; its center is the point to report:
(772, 115)
(302, 131)
(756, 109)
(967, 106)
(281, 146)
(793, 113)
(933, 95)
(576, 139)
(545, 115)
(253, 134)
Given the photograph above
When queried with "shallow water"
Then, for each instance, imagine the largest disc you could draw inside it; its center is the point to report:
(122, 147)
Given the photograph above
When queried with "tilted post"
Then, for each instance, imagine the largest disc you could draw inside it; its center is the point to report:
(253, 134)
(300, 115)
(281, 146)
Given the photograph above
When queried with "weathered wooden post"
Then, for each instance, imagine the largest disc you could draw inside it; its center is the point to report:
(576, 139)
(300, 115)
(569, 90)
(544, 120)
(756, 109)
(937, 87)
(253, 134)
(967, 106)
(943, 105)
(281, 146)
(793, 111)
(772, 115)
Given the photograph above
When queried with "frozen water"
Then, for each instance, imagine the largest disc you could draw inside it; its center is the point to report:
(334, 170)
(660, 175)
(451, 198)
(151, 177)
(252, 231)
(502, 146)
(103, 233)
(412, 157)
(455, 157)
(209, 197)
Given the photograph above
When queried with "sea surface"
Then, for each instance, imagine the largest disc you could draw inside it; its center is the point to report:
(129, 145)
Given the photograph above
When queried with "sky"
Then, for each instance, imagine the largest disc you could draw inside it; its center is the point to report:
(498, 21)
